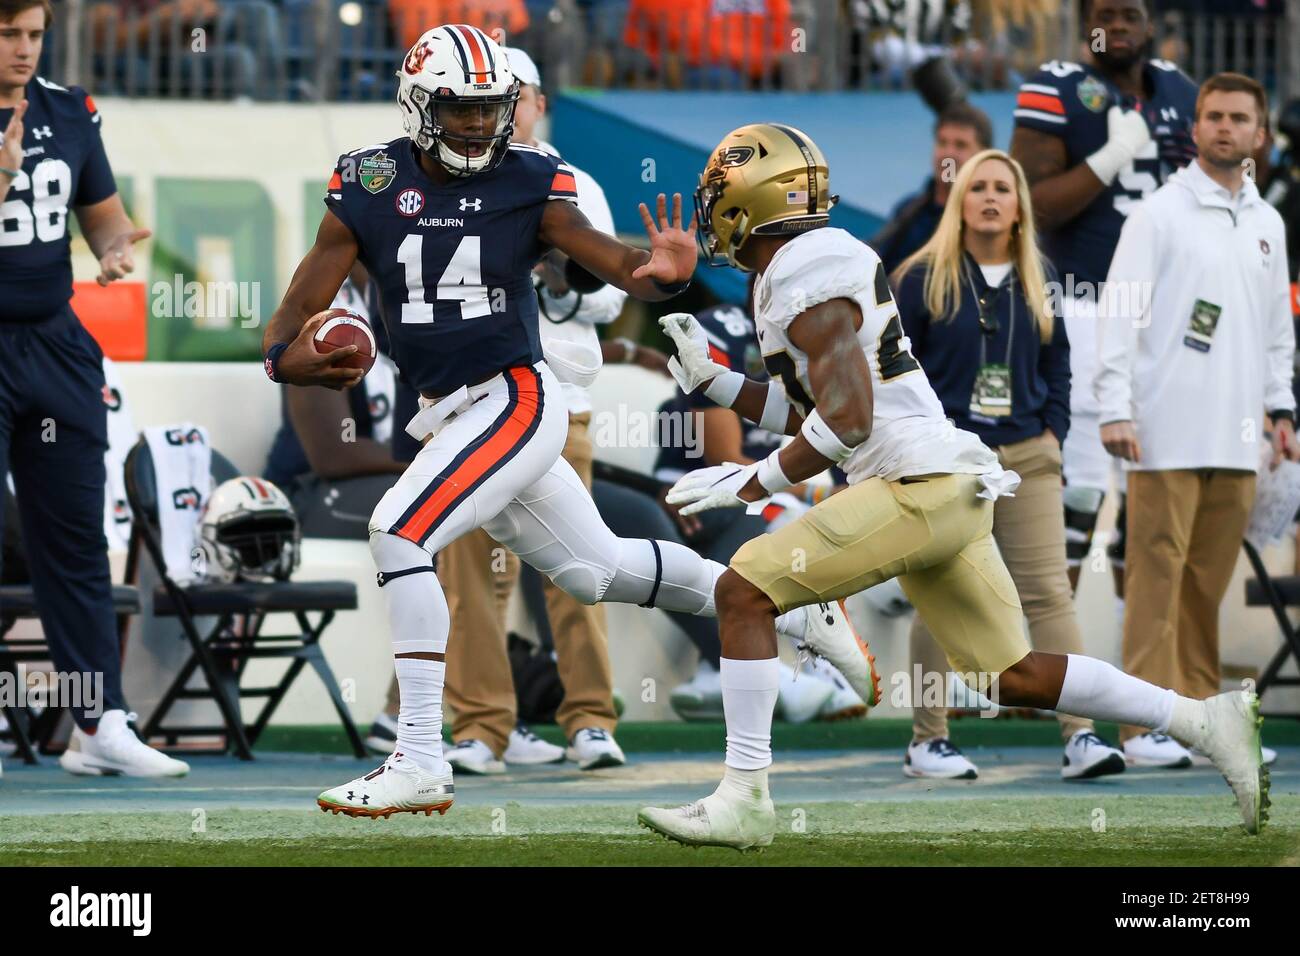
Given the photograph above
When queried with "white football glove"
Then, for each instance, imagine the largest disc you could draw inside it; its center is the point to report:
(717, 486)
(1127, 134)
(691, 366)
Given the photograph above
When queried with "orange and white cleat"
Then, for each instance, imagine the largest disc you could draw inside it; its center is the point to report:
(829, 634)
(398, 786)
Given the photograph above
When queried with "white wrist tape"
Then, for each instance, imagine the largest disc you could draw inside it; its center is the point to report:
(776, 409)
(821, 437)
(724, 388)
(1107, 162)
(770, 475)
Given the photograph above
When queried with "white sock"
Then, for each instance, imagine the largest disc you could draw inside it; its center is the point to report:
(749, 691)
(793, 623)
(1187, 724)
(1095, 689)
(419, 725)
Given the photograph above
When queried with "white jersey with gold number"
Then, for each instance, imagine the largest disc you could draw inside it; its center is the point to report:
(909, 433)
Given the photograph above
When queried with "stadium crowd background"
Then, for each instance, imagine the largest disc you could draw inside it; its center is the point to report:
(263, 54)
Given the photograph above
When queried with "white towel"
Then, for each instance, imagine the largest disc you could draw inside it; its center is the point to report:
(182, 464)
(121, 436)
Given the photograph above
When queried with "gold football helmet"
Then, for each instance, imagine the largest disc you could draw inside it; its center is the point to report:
(764, 179)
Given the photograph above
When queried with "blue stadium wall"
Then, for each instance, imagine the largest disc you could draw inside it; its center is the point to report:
(637, 144)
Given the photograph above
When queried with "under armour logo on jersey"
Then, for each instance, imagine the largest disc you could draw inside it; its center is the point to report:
(466, 204)
(42, 132)
(1168, 114)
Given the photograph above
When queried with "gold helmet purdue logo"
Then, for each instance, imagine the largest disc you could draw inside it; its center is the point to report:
(762, 180)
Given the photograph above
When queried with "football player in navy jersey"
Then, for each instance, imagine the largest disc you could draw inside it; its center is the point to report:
(53, 424)
(1094, 139)
(449, 222)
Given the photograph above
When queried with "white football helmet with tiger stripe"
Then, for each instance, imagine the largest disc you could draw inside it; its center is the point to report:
(249, 532)
(455, 79)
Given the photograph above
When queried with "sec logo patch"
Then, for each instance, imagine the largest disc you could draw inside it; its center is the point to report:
(410, 202)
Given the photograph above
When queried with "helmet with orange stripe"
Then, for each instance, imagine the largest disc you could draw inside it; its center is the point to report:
(248, 532)
(458, 95)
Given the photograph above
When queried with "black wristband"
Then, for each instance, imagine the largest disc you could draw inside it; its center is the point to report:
(1282, 413)
(272, 361)
(674, 289)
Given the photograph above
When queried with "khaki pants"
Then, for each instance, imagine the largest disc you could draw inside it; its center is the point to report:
(1031, 538)
(478, 576)
(932, 533)
(1184, 533)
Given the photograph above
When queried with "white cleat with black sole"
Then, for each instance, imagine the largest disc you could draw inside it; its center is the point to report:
(1227, 731)
(937, 759)
(829, 634)
(1087, 756)
(527, 749)
(114, 750)
(728, 817)
(399, 785)
(592, 748)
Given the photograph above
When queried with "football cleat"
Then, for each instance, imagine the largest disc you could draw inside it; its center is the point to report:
(937, 759)
(1088, 755)
(1227, 731)
(399, 785)
(829, 634)
(724, 818)
(844, 703)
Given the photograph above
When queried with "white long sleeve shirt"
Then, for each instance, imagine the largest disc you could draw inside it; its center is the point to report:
(576, 335)
(1197, 391)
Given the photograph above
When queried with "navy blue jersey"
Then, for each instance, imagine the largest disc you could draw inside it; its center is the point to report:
(64, 165)
(1070, 100)
(453, 263)
(733, 343)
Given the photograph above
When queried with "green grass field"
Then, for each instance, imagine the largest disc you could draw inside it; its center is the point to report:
(1035, 831)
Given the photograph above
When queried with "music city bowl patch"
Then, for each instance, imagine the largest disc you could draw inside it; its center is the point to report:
(1093, 94)
(377, 172)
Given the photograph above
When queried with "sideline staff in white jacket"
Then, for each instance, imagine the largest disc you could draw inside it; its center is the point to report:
(1196, 345)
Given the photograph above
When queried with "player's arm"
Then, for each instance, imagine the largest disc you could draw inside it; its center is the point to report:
(1058, 193)
(312, 289)
(318, 420)
(110, 234)
(650, 276)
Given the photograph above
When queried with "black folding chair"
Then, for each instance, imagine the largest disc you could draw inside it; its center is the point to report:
(222, 654)
(1277, 593)
(19, 601)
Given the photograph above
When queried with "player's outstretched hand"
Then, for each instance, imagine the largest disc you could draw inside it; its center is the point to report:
(11, 146)
(672, 248)
(301, 364)
(718, 486)
(119, 258)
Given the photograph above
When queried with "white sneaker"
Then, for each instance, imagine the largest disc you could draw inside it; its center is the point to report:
(700, 698)
(400, 785)
(844, 703)
(1088, 755)
(724, 818)
(938, 759)
(830, 634)
(592, 748)
(474, 756)
(1156, 750)
(527, 748)
(1227, 731)
(114, 750)
(801, 696)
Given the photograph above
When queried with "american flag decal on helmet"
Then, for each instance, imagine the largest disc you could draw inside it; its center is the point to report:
(473, 52)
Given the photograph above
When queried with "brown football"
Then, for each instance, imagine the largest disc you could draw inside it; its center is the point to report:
(342, 328)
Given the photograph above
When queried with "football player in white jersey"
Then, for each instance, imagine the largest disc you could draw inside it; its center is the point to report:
(919, 504)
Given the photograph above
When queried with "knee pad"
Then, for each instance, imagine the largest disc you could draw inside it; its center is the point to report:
(395, 554)
(1081, 508)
